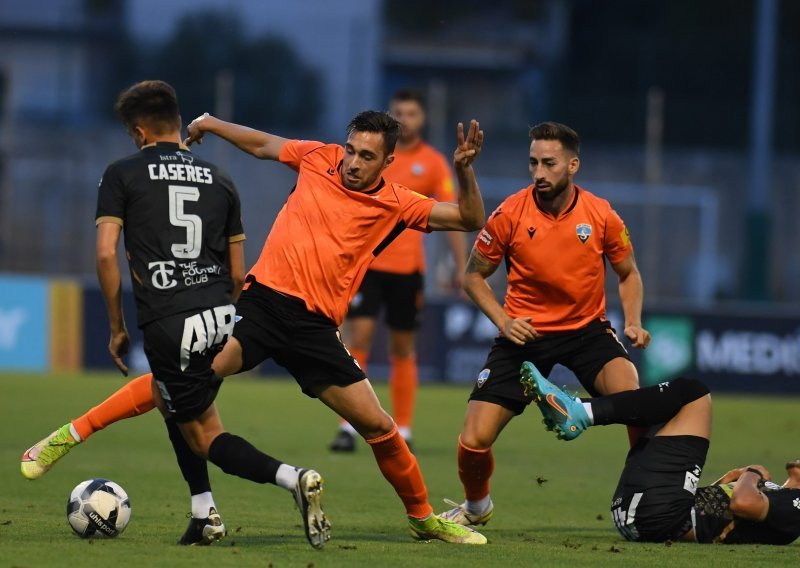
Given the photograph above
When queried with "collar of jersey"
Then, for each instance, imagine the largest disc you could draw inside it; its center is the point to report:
(166, 145)
(372, 191)
(565, 212)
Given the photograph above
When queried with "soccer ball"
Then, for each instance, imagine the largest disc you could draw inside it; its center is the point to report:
(98, 506)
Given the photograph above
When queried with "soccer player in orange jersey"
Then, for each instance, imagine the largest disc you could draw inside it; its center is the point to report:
(554, 238)
(340, 214)
(394, 281)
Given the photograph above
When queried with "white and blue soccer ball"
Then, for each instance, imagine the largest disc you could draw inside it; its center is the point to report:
(98, 507)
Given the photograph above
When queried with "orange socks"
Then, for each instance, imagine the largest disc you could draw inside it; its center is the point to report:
(399, 466)
(403, 389)
(133, 399)
(475, 467)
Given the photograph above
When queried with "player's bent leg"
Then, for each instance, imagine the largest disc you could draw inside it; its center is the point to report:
(358, 404)
(230, 360)
(236, 456)
(361, 330)
(133, 399)
(617, 375)
(483, 423)
(620, 375)
(693, 419)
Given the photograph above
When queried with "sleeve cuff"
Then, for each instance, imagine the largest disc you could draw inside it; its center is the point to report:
(109, 219)
(236, 238)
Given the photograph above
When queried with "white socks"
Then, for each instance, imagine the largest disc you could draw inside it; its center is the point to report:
(201, 503)
(405, 432)
(347, 427)
(587, 406)
(287, 477)
(74, 433)
(478, 507)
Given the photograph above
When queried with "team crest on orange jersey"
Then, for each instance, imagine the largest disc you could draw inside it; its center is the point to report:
(584, 231)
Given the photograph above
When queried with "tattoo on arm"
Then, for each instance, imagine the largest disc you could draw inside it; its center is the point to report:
(480, 264)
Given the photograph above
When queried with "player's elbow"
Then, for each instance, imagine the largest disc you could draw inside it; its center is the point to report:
(473, 222)
(471, 281)
(238, 282)
(106, 255)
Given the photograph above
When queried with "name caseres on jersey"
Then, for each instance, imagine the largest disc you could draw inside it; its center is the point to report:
(180, 172)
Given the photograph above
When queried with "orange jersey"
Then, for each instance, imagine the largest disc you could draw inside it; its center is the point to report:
(425, 170)
(556, 266)
(325, 236)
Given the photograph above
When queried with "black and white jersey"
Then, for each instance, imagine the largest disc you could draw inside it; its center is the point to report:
(179, 214)
(714, 521)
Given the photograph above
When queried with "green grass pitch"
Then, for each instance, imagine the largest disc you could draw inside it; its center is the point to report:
(551, 498)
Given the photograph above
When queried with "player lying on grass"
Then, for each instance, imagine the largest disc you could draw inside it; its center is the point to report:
(553, 237)
(658, 497)
(183, 237)
(339, 216)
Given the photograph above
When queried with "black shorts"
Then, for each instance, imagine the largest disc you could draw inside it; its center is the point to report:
(401, 295)
(273, 325)
(180, 350)
(655, 495)
(584, 352)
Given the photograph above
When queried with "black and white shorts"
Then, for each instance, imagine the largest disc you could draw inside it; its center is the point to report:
(656, 491)
(180, 350)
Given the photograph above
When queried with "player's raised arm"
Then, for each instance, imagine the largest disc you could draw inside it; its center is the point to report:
(262, 145)
(469, 214)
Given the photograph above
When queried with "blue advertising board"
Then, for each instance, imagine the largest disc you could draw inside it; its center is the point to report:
(24, 323)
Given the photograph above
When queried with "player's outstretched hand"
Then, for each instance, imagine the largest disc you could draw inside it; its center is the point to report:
(520, 330)
(196, 129)
(118, 346)
(639, 336)
(468, 148)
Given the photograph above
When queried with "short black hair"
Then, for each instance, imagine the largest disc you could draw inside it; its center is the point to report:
(377, 121)
(406, 95)
(152, 102)
(556, 131)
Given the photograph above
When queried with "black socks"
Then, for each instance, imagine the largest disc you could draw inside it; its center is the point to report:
(237, 456)
(647, 406)
(193, 467)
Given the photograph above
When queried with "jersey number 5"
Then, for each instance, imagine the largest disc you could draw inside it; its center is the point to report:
(178, 195)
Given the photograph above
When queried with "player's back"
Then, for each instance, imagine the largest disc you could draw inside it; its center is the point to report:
(179, 214)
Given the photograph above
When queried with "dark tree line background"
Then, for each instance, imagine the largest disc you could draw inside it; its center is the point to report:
(271, 85)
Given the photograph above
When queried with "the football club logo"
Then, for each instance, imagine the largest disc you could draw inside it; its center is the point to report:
(417, 169)
(584, 231)
(483, 376)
